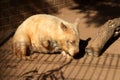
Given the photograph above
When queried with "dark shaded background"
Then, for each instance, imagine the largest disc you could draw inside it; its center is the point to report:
(14, 12)
(106, 9)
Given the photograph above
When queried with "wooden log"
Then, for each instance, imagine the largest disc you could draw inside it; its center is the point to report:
(109, 30)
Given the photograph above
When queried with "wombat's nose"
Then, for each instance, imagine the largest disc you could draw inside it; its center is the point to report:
(76, 51)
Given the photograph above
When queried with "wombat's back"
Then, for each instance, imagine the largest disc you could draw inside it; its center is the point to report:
(41, 24)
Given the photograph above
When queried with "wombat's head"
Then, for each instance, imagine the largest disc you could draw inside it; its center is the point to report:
(69, 38)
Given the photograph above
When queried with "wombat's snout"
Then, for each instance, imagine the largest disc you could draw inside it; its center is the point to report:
(75, 52)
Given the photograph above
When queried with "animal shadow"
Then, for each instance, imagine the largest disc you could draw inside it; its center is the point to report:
(109, 42)
(82, 46)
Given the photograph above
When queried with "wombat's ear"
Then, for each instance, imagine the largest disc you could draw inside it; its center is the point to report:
(77, 21)
(63, 27)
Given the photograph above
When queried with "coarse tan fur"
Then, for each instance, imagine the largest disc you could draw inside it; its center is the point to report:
(47, 34)
(110, 29)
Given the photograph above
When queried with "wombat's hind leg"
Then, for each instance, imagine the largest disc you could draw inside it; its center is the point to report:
(24, 55)
(20, 51)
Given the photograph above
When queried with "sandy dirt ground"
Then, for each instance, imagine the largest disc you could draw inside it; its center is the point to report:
(105, 67)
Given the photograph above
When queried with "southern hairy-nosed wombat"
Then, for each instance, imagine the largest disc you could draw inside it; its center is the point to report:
(47, 34)
(109, 30)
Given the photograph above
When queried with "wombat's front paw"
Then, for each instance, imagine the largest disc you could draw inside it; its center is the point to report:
(65, 54)
(91, 52)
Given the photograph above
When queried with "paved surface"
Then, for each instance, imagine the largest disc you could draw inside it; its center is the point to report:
(105, 67)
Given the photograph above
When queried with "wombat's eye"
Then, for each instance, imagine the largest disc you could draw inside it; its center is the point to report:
(72, 42)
